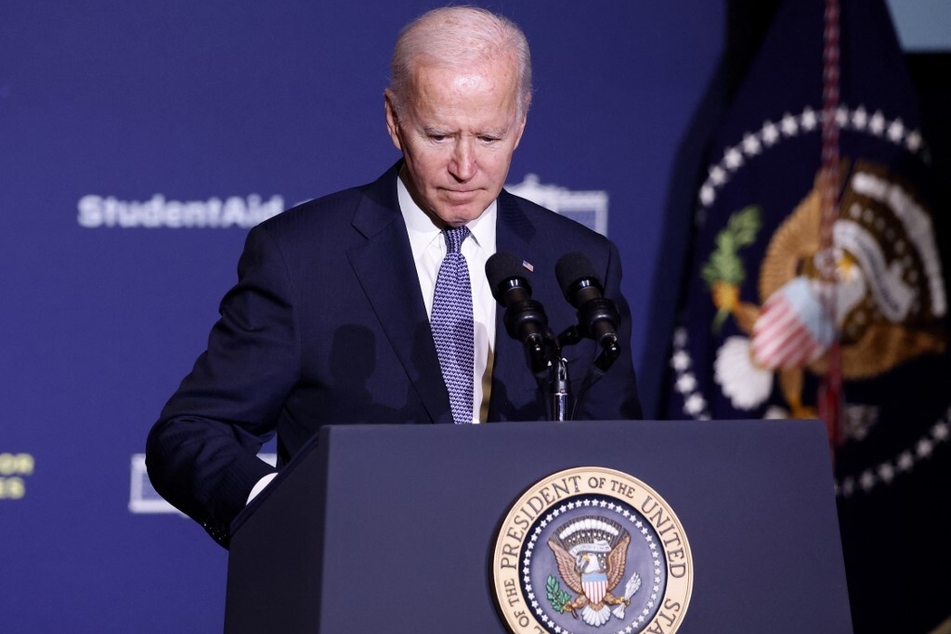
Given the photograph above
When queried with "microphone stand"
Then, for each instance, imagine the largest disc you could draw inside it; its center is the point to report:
(557, 383)
(550, 370)
(559, 390)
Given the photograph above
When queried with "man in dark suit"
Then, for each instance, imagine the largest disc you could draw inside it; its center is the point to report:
(329, 322)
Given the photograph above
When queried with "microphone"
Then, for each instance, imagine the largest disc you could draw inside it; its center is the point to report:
(598, 317)
(524, 318)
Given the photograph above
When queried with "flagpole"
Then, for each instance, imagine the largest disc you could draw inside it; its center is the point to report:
(830, 405)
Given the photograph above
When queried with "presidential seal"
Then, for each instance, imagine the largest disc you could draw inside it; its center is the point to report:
(592, 550)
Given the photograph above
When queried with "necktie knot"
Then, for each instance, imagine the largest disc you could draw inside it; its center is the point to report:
(455, 237)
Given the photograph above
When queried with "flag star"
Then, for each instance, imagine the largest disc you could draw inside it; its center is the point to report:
(924, 448)
(770, 133)
(867, 480)
(913, 141)
(789, 125)
(751, 145)
(877, 123)
(680, 337)
(587, 502)
(686, 383)
(841, 116)
(896, 131)
(717, 175)
(733, 159)
(808, 121)
(940, 431)
(706, 195)
(859, 118)
(680, 361)
(886, 472)
(535, 604)
(848, 487)
(695, 404)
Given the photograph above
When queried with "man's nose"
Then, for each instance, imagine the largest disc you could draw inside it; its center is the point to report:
(463, 162)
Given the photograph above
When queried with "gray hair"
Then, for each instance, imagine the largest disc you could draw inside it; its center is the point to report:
(454, 36)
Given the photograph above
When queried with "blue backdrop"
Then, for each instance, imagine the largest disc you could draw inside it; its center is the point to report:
(125, 126)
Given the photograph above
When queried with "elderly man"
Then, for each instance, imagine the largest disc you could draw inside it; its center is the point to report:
(347, 308)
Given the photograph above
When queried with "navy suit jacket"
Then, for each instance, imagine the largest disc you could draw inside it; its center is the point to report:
(326, 325)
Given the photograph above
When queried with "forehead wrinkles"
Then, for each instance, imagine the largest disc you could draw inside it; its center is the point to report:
(486, 93)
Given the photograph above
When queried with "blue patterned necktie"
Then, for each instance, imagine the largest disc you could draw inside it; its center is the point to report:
(452, 325)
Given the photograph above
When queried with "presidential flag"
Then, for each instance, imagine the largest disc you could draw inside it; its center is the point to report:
(815, 289)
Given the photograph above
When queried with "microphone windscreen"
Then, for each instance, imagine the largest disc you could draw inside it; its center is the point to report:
(571, 268)
(500, 267)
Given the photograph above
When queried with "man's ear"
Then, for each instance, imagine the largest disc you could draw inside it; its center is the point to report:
(392, 119)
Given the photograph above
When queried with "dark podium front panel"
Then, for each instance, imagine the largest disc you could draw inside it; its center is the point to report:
(391, 528)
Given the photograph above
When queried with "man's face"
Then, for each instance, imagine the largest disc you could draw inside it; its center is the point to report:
(458, 130)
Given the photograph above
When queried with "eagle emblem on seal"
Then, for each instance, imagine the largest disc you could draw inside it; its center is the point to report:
(591, 554)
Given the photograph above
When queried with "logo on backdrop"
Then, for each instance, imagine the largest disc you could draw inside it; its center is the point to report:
(157, 212)
(590, 550)
(589, 208)
(14, 468)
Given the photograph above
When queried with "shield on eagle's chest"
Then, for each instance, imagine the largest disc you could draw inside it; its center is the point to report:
(595, 585)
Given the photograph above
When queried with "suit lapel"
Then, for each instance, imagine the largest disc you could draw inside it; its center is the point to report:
(512, 380)
(385, 269)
